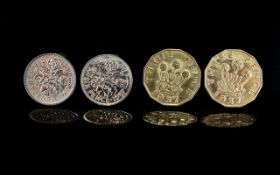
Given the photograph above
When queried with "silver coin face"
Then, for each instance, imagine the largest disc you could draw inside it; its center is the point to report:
(53, 116)
(106, 80)
(49, 79)
(107, 117)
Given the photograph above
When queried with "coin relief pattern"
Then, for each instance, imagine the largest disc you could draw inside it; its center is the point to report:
(233, 78)
(172, 77)
(49, 79)
(106, 80)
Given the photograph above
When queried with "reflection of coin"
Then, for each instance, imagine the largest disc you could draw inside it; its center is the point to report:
(169, 118)
(171, 77)
(226, 120)
(106, 80)
(233, 78)
(107, 117)
(53, 116)
(49, 79)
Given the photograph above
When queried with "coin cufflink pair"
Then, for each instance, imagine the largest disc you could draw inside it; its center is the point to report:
(50, 79)
(233, 78)
(172, 77)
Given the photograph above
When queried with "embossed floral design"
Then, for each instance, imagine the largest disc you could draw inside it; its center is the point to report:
(49, 79)
(171, 78)
(53, 80)
(231, 82)
(107, 80)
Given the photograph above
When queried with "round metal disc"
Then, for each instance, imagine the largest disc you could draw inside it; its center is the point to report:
(49, 79)
(106, 80)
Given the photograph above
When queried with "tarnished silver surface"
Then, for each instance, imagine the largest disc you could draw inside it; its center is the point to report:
(49, 79)
(106, 80)
(53, 116)
(169, 118)
(107, 117)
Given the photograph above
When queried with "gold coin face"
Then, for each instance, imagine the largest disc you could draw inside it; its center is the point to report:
(227, 120)
(233, 78)
(169, 118)
(172, 77)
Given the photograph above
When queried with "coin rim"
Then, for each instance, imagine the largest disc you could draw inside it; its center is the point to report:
(66, 96)
(186, 99)
(55, 123)
(100, 103)
(210, 93)
(106, 124)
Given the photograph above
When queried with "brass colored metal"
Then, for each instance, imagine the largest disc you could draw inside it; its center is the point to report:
(233, 78)
(171, 77)
(227, 120)
(169, 118)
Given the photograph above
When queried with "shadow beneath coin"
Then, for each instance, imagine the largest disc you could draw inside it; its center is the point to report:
(228, 120)
(107, 117)
(169, 118)
(53, 116)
